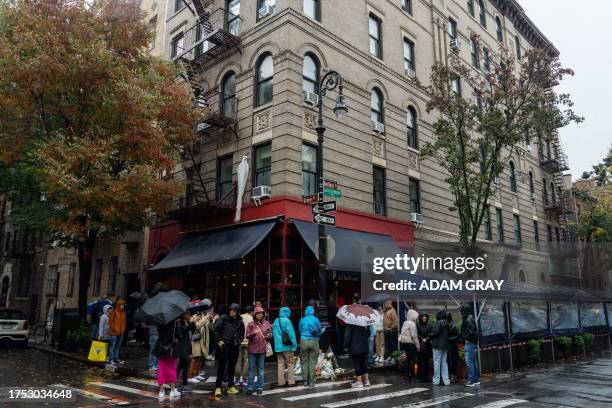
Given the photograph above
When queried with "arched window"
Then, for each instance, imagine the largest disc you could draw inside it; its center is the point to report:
(531, 185)
(265, 74)
(553, 199)
(545, 192)
(229, 95)
(512, 177)
(376, 106)
(411, 127)
(498, 29)
(517, 42)
(522, 276)
(483, 13)
(310, 73)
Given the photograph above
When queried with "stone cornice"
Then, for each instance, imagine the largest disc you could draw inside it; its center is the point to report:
(513, 10)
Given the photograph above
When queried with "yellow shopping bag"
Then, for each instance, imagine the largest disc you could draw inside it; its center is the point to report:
(98, 351)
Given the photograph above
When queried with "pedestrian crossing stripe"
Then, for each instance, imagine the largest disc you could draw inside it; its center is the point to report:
(372, 398)
(334, 392)
(123, 388)
(154, 384)
(502, 403)
(96, 396)
(436, 401)
(304, 388)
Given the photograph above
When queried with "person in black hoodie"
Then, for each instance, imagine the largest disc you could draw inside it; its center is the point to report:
(424, 330)
(228, 333)
(356, 342)
(469, 333)
(183, 348)
(453, 347)
(439, 344)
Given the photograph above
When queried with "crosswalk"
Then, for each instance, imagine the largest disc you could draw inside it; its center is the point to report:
(337, 394)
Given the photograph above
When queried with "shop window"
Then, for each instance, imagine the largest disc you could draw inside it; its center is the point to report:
(294, 248)
(276, 296)
(293, 298)
(276, 247)
(276, 273)
(293, 274)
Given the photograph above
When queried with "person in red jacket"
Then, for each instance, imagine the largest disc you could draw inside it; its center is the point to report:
(258, 333)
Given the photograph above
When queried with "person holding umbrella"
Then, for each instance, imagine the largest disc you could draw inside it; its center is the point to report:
(228, 333)
(167, 359)
(359, 321)
(163, 310)
(200, 340)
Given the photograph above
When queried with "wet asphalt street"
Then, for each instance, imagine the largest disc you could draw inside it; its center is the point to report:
(584, 384)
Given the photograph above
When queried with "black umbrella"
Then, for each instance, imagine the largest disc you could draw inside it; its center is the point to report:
(164, 307)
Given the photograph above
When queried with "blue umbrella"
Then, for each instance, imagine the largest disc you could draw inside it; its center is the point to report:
(164, 307)
(97, 303)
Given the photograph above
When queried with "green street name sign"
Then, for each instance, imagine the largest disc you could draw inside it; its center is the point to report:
(332, 192)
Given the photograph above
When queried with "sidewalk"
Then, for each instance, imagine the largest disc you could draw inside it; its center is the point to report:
(136, 358)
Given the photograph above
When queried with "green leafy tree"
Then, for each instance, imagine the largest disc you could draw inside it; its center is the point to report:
(88, 121)
(475, 139)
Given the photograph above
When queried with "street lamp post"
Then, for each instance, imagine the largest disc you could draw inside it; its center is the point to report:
(330, 81)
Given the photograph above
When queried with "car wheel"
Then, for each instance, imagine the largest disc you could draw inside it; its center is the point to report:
(23, 343)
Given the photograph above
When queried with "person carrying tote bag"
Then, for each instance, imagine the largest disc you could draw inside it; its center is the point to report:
(258, 333)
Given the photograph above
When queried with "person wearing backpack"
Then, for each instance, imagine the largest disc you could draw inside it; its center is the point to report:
(310, 331)
(285, 345)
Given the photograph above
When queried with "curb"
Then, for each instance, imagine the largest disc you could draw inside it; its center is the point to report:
(133, 372)
(128, 372)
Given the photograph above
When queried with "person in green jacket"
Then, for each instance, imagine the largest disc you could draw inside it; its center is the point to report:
(283, 329)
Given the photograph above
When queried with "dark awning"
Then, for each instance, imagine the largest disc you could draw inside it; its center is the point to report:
(216, 246)
(354, 249)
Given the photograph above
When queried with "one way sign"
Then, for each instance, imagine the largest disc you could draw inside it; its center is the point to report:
(324, 219)
(323, 207)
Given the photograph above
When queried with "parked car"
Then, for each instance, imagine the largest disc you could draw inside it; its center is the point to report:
(14, 326)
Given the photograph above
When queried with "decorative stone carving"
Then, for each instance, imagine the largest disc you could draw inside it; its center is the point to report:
(378, 147)
(413, 160)
(263, 121)
(310, 120)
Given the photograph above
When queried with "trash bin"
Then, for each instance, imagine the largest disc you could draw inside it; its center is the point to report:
(63, 321)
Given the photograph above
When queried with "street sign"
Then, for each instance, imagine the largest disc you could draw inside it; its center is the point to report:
(310, 199)
(323, 207)
(330, 184)
(324, 219)
(332, 192)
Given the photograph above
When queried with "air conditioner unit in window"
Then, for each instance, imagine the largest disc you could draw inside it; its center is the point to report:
(455, 44)
(266, 11)
(416, 218)
(311, 98)
(533, 196)
(260, 192)
(497, 181)
(410, 72)
(378, 127)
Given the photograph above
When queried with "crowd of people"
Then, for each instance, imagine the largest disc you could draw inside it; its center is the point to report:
(240, 340)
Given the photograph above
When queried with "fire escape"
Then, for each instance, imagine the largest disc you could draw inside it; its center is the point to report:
(554, 161)
(214, 36)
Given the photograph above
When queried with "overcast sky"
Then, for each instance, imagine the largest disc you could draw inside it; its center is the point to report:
(582, 32)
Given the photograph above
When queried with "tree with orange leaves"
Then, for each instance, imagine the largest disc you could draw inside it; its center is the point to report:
(89, 119)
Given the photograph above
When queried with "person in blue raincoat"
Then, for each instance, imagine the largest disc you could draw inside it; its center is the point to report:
(310, 331)
(285, 345)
